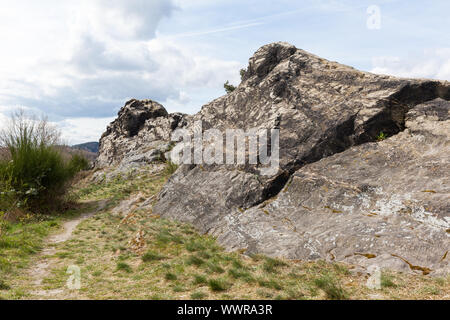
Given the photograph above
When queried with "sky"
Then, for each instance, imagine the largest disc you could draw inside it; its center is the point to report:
(79, 61)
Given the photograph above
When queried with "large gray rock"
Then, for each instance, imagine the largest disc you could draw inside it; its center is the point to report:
(339, 194)
(384, 203)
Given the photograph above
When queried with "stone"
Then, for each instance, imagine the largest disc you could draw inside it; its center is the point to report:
(140, 135)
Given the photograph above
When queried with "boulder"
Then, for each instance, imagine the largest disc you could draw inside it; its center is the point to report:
(140, 135)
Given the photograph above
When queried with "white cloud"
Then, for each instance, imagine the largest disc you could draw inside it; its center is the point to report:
(433, 64)
(83, 59)
(80, 130)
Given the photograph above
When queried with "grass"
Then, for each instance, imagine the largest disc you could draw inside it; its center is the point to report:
(269, 283)
(195, 260)
(151, 256)
(331, 287)
(271, 264)
(178, 263)
(198, 295)
(200, 279)
(240, 274)
(171, 168)
(123, 266)
(4, 285)
(387, 281)
(218, 285)
(170, 276)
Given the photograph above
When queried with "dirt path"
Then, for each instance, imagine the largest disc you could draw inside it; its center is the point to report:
(41, 269)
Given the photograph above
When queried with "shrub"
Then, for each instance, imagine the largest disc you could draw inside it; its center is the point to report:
(33, 172)
(242, 73)
(78, 163)
(229, 87)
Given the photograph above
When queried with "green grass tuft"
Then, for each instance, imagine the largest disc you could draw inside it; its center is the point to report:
(271, 264)
(170, 276)
(218, 285)
(122, 266)
(4, 285)
(152, 256)
(195, 260)
(331, 288)
(271, 283)
(198, 295)
(387, 281)
(200, 279)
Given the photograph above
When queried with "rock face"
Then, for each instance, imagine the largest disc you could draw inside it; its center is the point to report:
(384, 203)
(140, 134)
(339, 194)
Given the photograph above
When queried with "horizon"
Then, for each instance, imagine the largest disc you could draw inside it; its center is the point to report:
(78, 62)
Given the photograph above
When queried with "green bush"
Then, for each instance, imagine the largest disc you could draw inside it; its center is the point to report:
(229, 87)
(242, 74)
(34, 174)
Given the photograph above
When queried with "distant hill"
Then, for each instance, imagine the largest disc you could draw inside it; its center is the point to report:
(88, 146)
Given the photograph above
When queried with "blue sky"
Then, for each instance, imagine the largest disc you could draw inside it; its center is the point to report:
(78, 61)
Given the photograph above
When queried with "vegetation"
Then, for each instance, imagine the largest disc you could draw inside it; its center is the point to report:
(387, 281)
(229, 87)
(174, 262)
(34, 174)
(332, 289)
(242, 73)
(381, 136)
(171, 167)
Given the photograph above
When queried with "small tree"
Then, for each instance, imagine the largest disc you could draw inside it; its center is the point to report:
(242, 73)
(229, 87)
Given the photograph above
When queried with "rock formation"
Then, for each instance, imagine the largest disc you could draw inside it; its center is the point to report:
(140, 135)
(340, 194)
